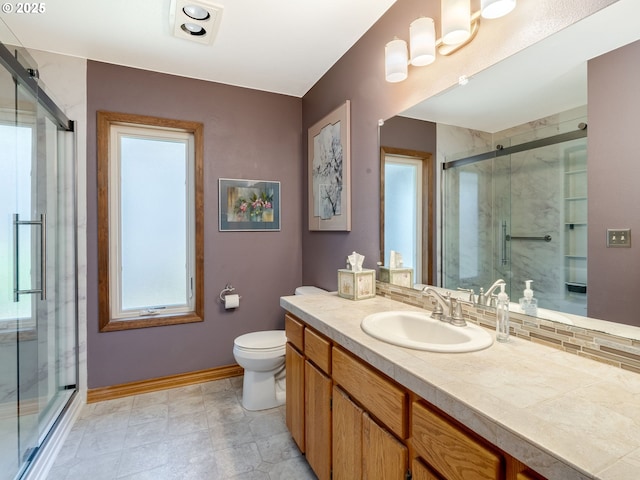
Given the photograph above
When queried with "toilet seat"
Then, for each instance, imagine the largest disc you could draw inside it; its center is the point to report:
(265, 341)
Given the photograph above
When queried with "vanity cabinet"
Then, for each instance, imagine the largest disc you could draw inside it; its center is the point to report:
(364, 447)
(353, 422)
(528, 475)
(308, 386)
(294, 364)
(317, 402)
(347, 437)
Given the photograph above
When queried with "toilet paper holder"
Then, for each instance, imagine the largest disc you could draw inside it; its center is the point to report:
(228, 289)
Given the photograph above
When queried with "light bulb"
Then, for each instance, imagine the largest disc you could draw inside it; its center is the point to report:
(422, 41)
(396, 61)
(496, 8)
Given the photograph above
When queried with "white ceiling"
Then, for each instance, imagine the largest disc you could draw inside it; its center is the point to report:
(287, 45)
(282, 46)
(546, 78)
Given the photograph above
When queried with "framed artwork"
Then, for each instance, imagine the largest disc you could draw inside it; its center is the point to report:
(248, 205)
(329, 147)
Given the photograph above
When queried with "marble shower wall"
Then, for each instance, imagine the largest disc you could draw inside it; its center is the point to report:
(525, 190)
(458, 222)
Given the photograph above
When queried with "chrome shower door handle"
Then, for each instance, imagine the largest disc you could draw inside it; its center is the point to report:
(504, 242)
(42, 223)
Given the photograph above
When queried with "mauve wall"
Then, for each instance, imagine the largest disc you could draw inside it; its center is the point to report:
(359, 76)
(408, 133)
(613, 178)
(248, 134)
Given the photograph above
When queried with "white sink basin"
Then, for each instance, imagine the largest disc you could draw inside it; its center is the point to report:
(418, 331)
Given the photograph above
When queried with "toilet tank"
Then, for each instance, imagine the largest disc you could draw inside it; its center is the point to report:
(309, 290)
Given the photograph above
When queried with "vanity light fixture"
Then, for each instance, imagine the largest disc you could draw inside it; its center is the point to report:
(196, 20)
(459, 27)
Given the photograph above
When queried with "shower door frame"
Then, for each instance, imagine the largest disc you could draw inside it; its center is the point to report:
(502, 237)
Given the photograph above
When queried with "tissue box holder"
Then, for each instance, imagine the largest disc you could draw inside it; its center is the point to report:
(402, 277)
(356, 285)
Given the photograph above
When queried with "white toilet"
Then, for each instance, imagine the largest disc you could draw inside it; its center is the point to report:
(261, 354)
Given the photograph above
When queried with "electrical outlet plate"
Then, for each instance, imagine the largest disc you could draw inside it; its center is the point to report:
(619, 237)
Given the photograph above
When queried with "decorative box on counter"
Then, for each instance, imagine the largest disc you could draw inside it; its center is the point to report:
(402, 277)
(356, 285)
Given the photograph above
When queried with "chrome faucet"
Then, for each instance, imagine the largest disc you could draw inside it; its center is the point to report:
(452, 305)
(486, 299)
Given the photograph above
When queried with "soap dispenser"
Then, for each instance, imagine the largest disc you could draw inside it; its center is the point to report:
(528, 304)
(502, 316)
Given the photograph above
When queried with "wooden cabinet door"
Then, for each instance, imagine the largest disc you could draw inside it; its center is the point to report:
(419, 471)
(317, 407)
(383, 455)
(347, 437)
(294, 363)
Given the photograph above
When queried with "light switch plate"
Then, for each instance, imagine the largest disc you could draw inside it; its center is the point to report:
(619, 237)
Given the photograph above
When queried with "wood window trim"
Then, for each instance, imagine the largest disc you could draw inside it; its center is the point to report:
(104, 122)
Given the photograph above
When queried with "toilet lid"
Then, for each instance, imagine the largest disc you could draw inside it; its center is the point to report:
(265, 340)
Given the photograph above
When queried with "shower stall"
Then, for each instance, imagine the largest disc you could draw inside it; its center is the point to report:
(38, 274)
(519, 212)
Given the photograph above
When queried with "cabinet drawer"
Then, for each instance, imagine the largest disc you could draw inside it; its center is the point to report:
(378, 395)
(318, 350)
(455, 454)
(294, 329)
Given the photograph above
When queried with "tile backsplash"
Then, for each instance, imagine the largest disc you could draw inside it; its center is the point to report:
(613, 350)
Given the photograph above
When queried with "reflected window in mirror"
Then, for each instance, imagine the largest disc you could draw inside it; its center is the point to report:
(406, 211)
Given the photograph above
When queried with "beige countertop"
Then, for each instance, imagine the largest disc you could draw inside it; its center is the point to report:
(565, 416)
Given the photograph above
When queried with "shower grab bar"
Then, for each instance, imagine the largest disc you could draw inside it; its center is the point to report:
(43, 257)
(546, 238)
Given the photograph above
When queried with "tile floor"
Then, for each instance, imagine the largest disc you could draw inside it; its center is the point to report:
(195, 432)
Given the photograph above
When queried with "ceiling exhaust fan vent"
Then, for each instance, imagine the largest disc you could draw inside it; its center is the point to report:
(195, 20)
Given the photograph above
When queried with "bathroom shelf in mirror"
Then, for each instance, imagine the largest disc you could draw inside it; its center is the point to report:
(575, 222)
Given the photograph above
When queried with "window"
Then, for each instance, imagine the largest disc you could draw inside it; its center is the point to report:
(403, 210)
(407, 183)
(150, 244)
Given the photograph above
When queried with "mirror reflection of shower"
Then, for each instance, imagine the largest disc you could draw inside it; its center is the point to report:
(518, 210)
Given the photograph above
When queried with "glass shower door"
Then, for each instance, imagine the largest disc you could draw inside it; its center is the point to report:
(520, 214)
(476, 212)
(22, 251)
(37, 275)
(10, 311)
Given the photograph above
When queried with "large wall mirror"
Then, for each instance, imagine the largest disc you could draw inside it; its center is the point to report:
(511, 160)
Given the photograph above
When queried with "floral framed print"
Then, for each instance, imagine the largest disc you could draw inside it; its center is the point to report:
(248, 205)
(329, 147)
